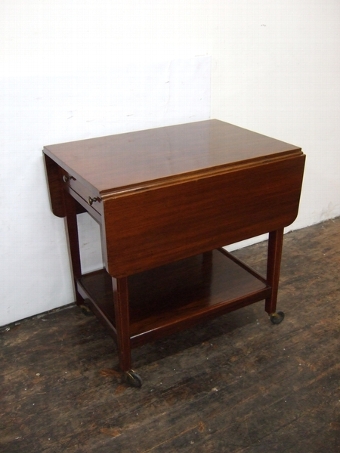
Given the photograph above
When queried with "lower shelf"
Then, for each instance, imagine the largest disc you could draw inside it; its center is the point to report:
(178, 295)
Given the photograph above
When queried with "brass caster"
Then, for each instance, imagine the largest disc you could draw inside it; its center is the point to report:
(133, 379)
(277, 318)
(86, 310)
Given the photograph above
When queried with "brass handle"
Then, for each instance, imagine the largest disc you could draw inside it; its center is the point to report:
(91, 200)
(67, 178)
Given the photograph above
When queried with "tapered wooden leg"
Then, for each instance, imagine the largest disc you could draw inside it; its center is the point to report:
(275, 243)
(121, 304)
(73, 241)
(122, 317)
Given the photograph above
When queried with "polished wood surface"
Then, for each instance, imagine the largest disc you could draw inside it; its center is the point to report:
(178, 295)
(169, 182)
(167, 200)
(137, 160)
(150, 228)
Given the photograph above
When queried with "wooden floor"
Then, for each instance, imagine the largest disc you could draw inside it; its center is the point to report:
(236, 384)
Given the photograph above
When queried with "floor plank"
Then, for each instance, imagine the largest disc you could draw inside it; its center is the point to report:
(236, 384)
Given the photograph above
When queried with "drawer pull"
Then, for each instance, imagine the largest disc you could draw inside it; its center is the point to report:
(67, 178)
(91, 200)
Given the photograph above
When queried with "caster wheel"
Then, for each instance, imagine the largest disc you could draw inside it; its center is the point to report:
(133, 379)
(85, 310)
(277, 318)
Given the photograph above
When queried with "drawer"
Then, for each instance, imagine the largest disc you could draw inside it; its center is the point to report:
(85, 194)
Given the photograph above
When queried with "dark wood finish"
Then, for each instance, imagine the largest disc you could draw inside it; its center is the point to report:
(176, 296)
(128, 162)
(73, 241)
(275, 243)
(55, 174)
(235, 384)
(122, 323)
(56, 192)
(153, 227)
(164, 199)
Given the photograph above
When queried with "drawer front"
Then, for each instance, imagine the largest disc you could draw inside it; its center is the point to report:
(151, 228)
(87, 197)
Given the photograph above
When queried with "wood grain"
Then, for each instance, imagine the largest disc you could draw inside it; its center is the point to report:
(153, 227)
(163, 154)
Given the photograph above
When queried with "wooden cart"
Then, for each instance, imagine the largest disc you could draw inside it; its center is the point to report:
(167, 200)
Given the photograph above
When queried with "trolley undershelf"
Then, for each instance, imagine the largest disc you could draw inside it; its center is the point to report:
(172, 297)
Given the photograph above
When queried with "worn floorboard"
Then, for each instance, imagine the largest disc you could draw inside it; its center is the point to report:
(236, 384)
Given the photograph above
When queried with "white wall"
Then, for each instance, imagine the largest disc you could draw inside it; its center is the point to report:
(276, 70)
(76, 69)
(73, 69)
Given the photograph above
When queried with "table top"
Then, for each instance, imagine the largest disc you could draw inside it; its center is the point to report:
(161, 155)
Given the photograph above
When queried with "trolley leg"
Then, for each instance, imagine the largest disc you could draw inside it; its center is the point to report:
(73, 241)
(275, 243)
(121, 305)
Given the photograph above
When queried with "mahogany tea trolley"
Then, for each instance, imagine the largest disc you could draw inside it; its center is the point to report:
(167, 201)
